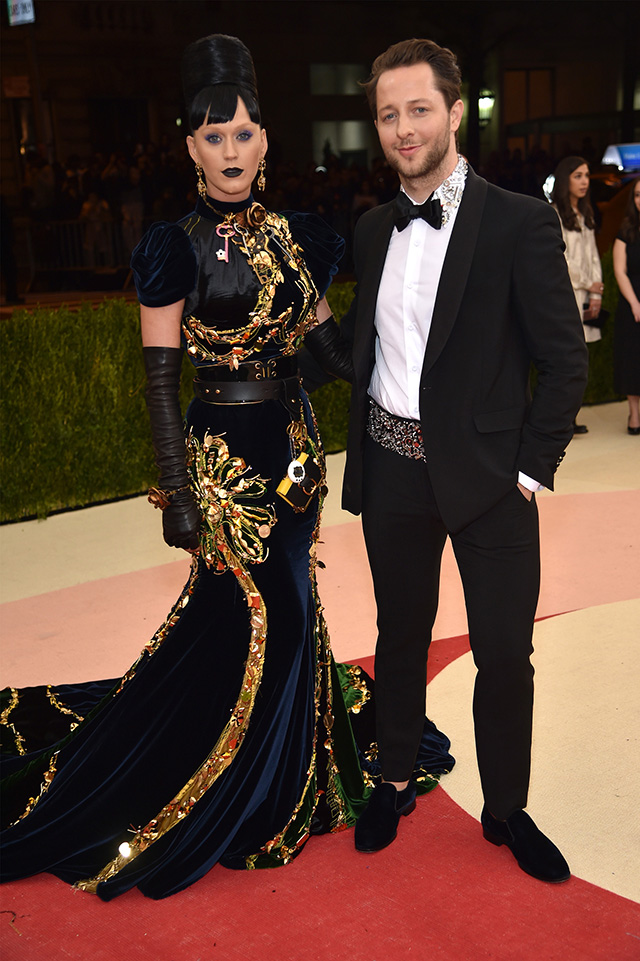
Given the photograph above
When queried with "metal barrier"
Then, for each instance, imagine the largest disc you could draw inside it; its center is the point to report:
(70, 246)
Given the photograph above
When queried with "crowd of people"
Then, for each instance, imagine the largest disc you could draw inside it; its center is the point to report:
(154, 182)
(114, 198)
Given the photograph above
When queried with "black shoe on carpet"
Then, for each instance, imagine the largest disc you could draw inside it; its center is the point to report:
(580, 428)
(534, 852)
(377, 826)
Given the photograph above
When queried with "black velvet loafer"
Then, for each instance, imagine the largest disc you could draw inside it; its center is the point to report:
(533, 851)
(377, 826)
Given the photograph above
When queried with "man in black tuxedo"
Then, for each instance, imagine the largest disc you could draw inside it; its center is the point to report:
(460, 287)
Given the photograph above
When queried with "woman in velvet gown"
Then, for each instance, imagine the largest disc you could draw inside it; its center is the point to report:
(231, 739)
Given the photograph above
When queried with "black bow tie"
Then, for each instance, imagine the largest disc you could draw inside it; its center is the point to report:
(406, 211)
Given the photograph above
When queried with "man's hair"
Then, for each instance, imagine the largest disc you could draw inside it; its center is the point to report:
(447, 76)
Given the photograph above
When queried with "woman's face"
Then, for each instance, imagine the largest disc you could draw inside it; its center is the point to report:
(578, 183)
(636, 195)
(229, 154)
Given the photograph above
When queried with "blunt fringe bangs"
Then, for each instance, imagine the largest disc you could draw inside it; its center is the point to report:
(218, 104)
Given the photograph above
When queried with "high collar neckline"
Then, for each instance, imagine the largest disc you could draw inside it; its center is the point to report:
(220, 207)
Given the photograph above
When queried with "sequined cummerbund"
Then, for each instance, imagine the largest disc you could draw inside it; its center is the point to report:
(399, 434)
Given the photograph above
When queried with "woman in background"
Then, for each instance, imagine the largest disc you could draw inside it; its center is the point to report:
(626, 332)
(570, 198)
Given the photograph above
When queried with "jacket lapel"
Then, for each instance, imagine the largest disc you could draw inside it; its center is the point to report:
(374, 254)
(457, 265)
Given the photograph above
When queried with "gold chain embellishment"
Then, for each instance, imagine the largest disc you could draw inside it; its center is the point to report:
(277, 847)
(220, 485)
(358, 688)
(49, 775)
(317, 452)
(224, 751)
(63, 708)
(239, 343)
(4, 720)
(335, 800)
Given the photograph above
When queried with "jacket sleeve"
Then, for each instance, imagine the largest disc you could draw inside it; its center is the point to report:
(546, 311)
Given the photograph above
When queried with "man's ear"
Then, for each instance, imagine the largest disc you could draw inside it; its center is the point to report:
(456, 114)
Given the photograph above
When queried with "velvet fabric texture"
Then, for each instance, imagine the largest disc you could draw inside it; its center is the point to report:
(110, 772)
(165, 262)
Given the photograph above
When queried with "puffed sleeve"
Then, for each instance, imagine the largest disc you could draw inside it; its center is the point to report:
(321, 245)
(164, 265)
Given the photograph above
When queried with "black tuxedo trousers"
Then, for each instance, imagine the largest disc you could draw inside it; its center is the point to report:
(499, 562)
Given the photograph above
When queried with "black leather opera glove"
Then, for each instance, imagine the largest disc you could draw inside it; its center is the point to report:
(327, 346)
(180, 513)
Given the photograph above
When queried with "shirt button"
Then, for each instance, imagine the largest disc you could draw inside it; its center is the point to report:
(414, 368)
(410, 327)
(410, 286)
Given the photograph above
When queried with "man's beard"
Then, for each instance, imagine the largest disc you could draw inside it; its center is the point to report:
(431, 163)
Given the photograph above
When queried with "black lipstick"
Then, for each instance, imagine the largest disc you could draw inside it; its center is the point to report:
(233, 171)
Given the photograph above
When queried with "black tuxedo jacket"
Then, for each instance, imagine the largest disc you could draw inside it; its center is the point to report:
(504, 302)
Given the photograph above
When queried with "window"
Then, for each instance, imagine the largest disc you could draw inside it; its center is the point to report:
(337, 79)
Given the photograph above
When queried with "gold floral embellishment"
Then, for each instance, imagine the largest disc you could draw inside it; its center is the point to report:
(234, 523)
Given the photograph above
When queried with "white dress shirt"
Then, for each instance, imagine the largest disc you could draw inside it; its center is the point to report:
(406, 299)
(404, 308)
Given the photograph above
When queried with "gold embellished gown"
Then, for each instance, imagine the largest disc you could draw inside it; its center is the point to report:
(231, 739)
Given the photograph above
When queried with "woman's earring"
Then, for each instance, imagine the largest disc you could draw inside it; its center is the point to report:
(202, 187)
(262, 180)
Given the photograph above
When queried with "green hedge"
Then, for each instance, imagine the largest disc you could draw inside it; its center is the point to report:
(600, 386)
(72, 412)
(73, 420)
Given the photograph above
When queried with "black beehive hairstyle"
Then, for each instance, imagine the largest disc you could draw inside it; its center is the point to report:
(216, 70)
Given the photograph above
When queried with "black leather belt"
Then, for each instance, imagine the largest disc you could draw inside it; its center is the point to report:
(250, 383)
(256, 370)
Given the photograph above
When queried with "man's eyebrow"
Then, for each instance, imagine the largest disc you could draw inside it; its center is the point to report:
(391, 106)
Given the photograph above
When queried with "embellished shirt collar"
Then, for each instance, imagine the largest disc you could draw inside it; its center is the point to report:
(450, 191)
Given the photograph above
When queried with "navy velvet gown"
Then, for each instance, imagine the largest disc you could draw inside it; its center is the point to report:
(231, 739)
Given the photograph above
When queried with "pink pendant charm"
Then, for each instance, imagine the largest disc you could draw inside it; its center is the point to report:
(224, 231)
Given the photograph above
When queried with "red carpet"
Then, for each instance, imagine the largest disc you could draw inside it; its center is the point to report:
(420, 898)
